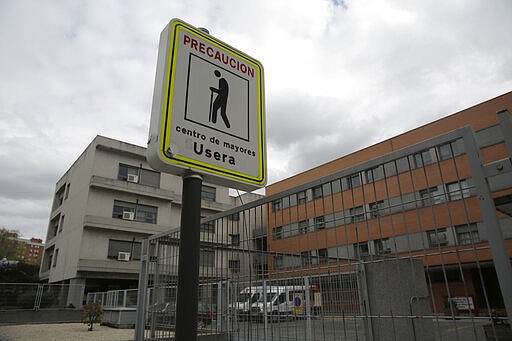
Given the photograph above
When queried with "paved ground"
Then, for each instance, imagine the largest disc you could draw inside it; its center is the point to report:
(63, 332)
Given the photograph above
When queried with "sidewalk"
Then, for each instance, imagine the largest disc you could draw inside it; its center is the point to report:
(63, 332)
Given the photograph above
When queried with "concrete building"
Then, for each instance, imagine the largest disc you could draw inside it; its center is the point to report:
(104, 205)
(422, 205)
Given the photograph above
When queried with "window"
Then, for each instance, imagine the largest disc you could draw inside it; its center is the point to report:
(235, 239)
(303, 226)
(50, 258)
(277, 205)
(437, 238)
(146, 214)
(317, 192)
(467, 234)
(132, 247)
(61, 224)
(53, 227)
(458, 189)
(354, 180)
(208, 193)
(390, 168)
(422, 158)
(67, 191)
(448, 150)
(278, 262)
(234, 216)
(429, 196)
(234, 265)
(59, 197)
(376, 209)
(139, 212)
(278, 232)
(374, 174)
(382, 246)
(323, 256)
(138, 175)
(361, 249)
(319, 223)
(445, 151)
(55, 255)
(281, 298)
(207, 258)
(301, 197)
(402, 165)
(208, 227)
(356, 214)
(305, 258)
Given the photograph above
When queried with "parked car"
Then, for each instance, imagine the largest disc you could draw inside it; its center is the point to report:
(164, 315)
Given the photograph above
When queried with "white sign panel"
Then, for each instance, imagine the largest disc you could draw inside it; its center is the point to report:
(208, 110)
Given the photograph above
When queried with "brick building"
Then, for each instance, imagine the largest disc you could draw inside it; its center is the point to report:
(383, 203)
(31, 250)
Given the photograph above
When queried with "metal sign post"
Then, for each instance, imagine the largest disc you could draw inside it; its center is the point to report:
(207, 122)
(188, 266)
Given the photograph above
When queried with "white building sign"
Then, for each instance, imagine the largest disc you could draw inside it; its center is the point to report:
(208, 110)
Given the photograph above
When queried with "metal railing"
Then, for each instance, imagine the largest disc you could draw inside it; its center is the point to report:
(35, 296)
(114, 298)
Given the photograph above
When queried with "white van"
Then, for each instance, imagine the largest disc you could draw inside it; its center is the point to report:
(288, 301)
(241, 307)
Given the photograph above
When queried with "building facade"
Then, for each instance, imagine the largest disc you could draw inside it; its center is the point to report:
(104, 205)
(31, 250)
(382, 203)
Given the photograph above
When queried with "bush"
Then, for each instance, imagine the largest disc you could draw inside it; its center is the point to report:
(92, 314)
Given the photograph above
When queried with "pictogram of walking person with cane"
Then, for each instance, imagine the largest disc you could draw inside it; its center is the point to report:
(221, 100)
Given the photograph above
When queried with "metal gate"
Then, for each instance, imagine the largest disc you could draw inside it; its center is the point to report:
(414, 245)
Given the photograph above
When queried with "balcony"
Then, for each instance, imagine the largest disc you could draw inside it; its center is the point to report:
(114, 267)
(125, 186)
(108, 223)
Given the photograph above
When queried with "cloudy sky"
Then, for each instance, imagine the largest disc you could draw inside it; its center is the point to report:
(339, 76)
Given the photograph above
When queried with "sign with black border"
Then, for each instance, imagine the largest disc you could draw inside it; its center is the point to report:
(208, 110)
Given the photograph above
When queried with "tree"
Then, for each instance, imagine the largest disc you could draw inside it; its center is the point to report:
(9, 247)
(22, 273)
(92, 314)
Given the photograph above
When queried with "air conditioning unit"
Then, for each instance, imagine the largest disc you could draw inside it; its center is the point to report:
(128, 215)
(133, 178)
(124, 256)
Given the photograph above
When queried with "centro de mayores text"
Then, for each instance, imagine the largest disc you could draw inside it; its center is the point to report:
(199, 149)
(218, 55)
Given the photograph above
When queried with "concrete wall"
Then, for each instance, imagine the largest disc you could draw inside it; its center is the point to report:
(396, 288)
(40, 316)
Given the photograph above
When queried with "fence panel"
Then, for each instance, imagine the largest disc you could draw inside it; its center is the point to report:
(396, 248)
(38, 296)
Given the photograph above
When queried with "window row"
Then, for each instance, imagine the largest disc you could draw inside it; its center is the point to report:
(467, 234)
(138, 175)
(134, 211)
(147, 177)
(405, 164)
(423, 198)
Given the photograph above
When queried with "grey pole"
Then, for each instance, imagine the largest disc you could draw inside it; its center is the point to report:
(506, 128)
(188, 265)
(307, 295)
(494, 234)
(141, 294)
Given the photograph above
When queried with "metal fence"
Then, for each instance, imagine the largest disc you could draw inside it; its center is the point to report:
(34, 296)
(114, 298)
(409, 246)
